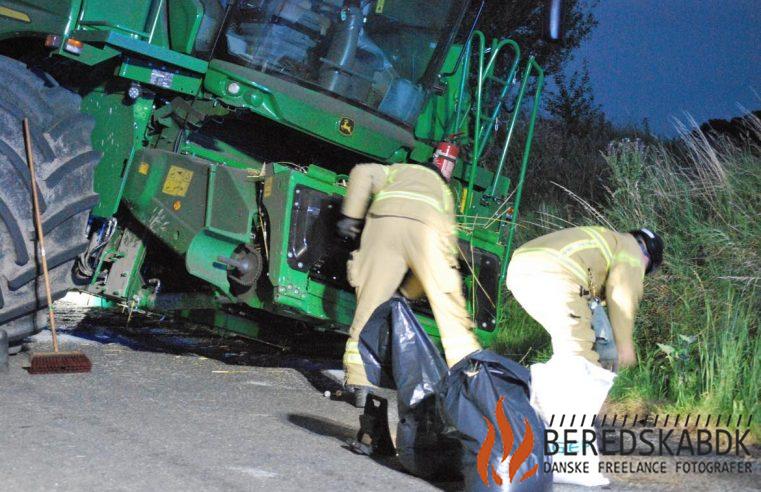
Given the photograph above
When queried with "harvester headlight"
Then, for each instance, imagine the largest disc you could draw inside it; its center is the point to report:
(133, 92)
(233, 88)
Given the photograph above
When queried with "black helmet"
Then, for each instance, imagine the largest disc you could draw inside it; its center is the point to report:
(654, 245)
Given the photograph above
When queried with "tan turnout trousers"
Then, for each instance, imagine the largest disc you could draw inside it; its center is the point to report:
(402, 235)
(553, 300)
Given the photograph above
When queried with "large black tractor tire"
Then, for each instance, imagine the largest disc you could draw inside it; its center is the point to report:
(64, 164)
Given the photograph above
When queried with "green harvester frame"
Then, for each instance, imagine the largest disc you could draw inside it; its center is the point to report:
(184, 201)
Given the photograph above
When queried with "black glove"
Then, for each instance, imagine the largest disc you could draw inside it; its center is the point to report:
(348, 227)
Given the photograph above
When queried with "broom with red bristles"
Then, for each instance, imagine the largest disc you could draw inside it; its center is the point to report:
(56, 361)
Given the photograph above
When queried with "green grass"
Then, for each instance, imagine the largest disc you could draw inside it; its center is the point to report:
(525, 341)
(697, 330)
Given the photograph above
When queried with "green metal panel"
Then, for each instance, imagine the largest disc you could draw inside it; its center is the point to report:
(142, 19)
(278, 201)
(222, 153)
(201, 258)
(176, 196)
(125, 42)
(197, 208)
(132, 15)
(174, 216)
(184, 20)
(23, 17)
(90, 55)
(483, 176)
(124, 257)
(172, 302)
(295, 292)
(119, 130)
(435, 119)
(421, 153)
(230, 202)
(159, 75)
(309, 111)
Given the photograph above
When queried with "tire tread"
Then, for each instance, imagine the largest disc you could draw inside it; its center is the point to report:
(61, 138)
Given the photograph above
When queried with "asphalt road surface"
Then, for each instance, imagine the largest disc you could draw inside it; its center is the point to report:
(171, 407)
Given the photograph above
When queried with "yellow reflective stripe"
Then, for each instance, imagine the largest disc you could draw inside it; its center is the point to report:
(604, 248)
(448, 199)
(577, 246)
(390, 174)
(595, 234)
(563, 255)
(563, 260)
(426, 169)
(352, 356)
(353, 359)
(409, 196)
(624, 257)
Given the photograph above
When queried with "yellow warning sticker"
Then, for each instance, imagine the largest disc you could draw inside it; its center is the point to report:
(177, 181)
(144, 168)
(379, 6)
(267, 187)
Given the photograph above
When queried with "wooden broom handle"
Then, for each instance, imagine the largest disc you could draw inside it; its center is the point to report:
(40, 236)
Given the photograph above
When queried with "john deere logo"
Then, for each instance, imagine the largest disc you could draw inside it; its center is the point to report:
(346, 126)
(517, 458)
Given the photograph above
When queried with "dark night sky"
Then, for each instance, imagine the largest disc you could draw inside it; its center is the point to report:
(658, 59)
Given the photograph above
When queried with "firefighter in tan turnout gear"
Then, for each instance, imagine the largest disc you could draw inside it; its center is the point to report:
(409, 226)
(558, 279)
(554, 276)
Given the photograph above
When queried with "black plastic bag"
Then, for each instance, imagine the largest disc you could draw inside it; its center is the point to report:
(397, 353)
(442, 414)
(486, 398)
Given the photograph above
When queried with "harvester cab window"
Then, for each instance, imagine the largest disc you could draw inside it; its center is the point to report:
(381, 54)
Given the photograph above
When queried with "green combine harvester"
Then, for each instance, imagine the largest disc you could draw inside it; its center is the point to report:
(192, 154)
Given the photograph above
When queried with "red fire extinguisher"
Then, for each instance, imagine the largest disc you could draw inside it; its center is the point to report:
(445, 157)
